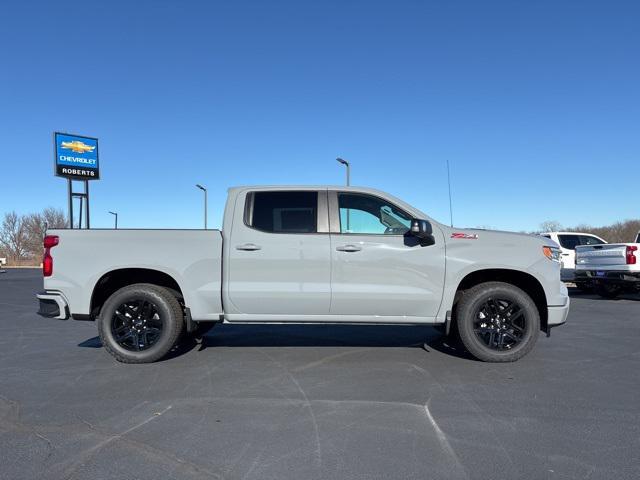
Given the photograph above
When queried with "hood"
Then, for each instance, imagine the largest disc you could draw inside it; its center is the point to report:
(471, 234)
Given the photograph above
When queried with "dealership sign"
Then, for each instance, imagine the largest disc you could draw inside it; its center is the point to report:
(76, 157)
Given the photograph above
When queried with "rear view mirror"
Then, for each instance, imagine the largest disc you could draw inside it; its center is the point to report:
(422, 229)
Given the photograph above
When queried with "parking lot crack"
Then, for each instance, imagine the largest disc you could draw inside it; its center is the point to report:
(307, 403)
(444, 442)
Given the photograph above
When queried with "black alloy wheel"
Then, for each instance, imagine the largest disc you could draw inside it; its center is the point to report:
(500, 324)
(497, 321)
(140, 323)
(136, 325)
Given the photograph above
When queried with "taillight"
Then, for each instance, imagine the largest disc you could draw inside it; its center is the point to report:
(631, 257)
(50, 241)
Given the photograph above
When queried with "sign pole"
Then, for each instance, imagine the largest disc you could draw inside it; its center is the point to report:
(80, 213)
(86, 192)
(70, 204)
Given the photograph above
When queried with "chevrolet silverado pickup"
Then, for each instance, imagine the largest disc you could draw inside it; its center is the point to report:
(341, 255)
(611, 269)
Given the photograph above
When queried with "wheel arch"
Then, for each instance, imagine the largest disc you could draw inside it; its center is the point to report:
(114, 280)
(523, 280)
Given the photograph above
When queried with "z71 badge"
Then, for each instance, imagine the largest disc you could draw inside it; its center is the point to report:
(467, 236)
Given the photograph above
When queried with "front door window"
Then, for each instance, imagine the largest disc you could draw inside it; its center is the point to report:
(365, 214)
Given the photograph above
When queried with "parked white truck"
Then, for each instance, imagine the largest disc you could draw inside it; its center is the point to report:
(611, 269)
(306, 255)
(568, 242)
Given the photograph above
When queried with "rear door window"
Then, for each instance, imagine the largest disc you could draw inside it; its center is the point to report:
(283, 212)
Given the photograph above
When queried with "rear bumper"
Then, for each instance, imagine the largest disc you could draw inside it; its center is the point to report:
(53, 305)
(609, 276)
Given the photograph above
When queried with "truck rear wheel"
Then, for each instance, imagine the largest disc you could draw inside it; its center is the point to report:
(497, 322)
(140, 323)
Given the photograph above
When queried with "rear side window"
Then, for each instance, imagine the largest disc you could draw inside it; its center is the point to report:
(283, 212)
(569, 241)
(589, 240)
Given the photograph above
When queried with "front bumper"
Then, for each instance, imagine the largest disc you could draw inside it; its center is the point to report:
(53, 305)
(558, 315)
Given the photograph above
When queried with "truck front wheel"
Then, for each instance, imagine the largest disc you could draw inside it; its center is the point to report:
(497, 322)
(140, 323)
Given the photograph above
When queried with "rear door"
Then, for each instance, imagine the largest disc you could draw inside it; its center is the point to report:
(377, 269)
(279, 259)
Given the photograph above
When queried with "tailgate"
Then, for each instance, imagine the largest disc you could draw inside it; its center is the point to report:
(599, 256)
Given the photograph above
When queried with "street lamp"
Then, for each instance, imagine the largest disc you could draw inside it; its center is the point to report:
(205, 203)
(345, 163)
(116, 215)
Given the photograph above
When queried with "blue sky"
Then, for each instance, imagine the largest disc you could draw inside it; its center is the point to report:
(536, 105)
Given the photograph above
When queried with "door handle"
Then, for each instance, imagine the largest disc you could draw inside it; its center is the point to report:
(249, 247)
(348, 248)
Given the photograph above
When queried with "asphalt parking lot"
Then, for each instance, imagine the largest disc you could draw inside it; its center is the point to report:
(318, 402)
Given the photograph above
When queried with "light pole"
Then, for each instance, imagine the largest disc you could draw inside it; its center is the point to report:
(205, 203)
(116, 215)
(345, 163)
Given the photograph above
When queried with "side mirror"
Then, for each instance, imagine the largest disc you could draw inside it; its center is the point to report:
(422, 230)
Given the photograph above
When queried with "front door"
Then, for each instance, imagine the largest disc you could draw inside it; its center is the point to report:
(377, 269)
(279, 258)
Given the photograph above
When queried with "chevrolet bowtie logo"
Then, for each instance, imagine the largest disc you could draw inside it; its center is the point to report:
(77, 146)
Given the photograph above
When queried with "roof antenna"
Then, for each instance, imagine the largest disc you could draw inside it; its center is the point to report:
(449, 183)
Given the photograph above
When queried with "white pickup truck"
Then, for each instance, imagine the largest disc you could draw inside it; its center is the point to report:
(612, 269)
(568, 242)
(306, 255)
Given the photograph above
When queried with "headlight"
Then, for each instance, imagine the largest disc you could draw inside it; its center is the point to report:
(552, 253)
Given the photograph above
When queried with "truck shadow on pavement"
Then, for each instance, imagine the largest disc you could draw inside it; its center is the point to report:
(591, 295)
(366, 336)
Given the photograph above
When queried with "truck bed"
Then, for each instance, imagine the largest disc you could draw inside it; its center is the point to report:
(192, 257)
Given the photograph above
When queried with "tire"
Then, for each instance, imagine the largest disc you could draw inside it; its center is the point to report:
(608, 290)
(490, 334)
(140, 323)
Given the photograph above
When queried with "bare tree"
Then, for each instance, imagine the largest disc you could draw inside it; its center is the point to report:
(550, 226)
(619, 232)
(37, 225)
(13, 236)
